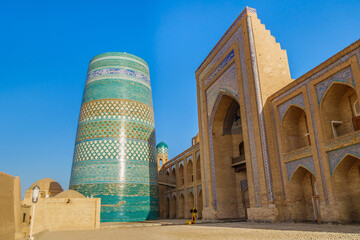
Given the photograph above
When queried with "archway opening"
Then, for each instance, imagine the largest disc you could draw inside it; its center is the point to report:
(181, 175)
(181, 206)
(167, 208)
(295, 129)
(229, 158)
(172, 177)
(190, 204)
(198, 169)
(173, 207)
(346, 181)
(338, 111)
(189, 172)
(304, 196)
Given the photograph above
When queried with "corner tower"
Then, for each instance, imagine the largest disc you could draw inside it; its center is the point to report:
(115, 155)
(162, 154)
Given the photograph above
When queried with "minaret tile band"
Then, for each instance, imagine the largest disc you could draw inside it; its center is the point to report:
(115, 152)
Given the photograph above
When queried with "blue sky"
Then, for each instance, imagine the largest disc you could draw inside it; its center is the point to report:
(46, 47)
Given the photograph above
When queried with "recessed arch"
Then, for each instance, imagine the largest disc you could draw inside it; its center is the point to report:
(346, 182)
(181, 179)
(181, 206)
(198, 169)
(225, 152)
(167, 207)
(190, 203)
(190, 172)
(173, 206)
(295, 129)
(303, 198)
(299, 167)
(336, 107)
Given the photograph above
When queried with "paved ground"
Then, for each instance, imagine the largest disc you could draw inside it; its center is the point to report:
(208, 231)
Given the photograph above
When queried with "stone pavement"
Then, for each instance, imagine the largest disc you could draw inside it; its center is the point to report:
(171, 229)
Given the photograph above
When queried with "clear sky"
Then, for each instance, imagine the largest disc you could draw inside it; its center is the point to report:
(46, 47)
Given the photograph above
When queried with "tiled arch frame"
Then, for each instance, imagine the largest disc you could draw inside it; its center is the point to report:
(335, 157)
(307, 163)
(211, 119)
(301, 166)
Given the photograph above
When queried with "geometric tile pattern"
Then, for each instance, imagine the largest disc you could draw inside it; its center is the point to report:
(110, 149)
(298, 101)
(307, 163)
(221, 66)
(115, 152)
(225, 82)
(113, 129)
(226, 45)
(162, 150)
(116, 109)
(335, 156)
(344, 76)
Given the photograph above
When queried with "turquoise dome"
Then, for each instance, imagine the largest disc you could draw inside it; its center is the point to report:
(162, 144)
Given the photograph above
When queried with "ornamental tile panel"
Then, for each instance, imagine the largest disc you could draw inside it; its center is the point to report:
(297, 101)
(307, 163)
(344, 76)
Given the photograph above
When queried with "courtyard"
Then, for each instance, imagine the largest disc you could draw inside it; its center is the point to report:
(172, 229)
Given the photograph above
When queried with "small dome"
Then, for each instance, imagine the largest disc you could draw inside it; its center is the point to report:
(48, 188)
(70, 194)
(162, 144)
(47, 184)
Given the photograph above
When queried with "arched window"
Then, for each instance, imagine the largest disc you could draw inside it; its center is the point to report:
(160, 162)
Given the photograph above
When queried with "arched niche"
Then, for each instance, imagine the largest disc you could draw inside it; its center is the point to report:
(167, 207)
(190, 172)
(198, 169)
(181, 206)
(190, 203)
(303, 198)
(346, 182)
(337, 111)
(181, 179)
(295, 129)
(173, 207)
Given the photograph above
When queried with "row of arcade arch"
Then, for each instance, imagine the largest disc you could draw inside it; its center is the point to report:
(176, 207)
(178, 177)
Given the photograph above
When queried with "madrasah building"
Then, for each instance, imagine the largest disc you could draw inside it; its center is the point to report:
(269, 147)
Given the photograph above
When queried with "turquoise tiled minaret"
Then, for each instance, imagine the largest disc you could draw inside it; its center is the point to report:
(115, 153)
